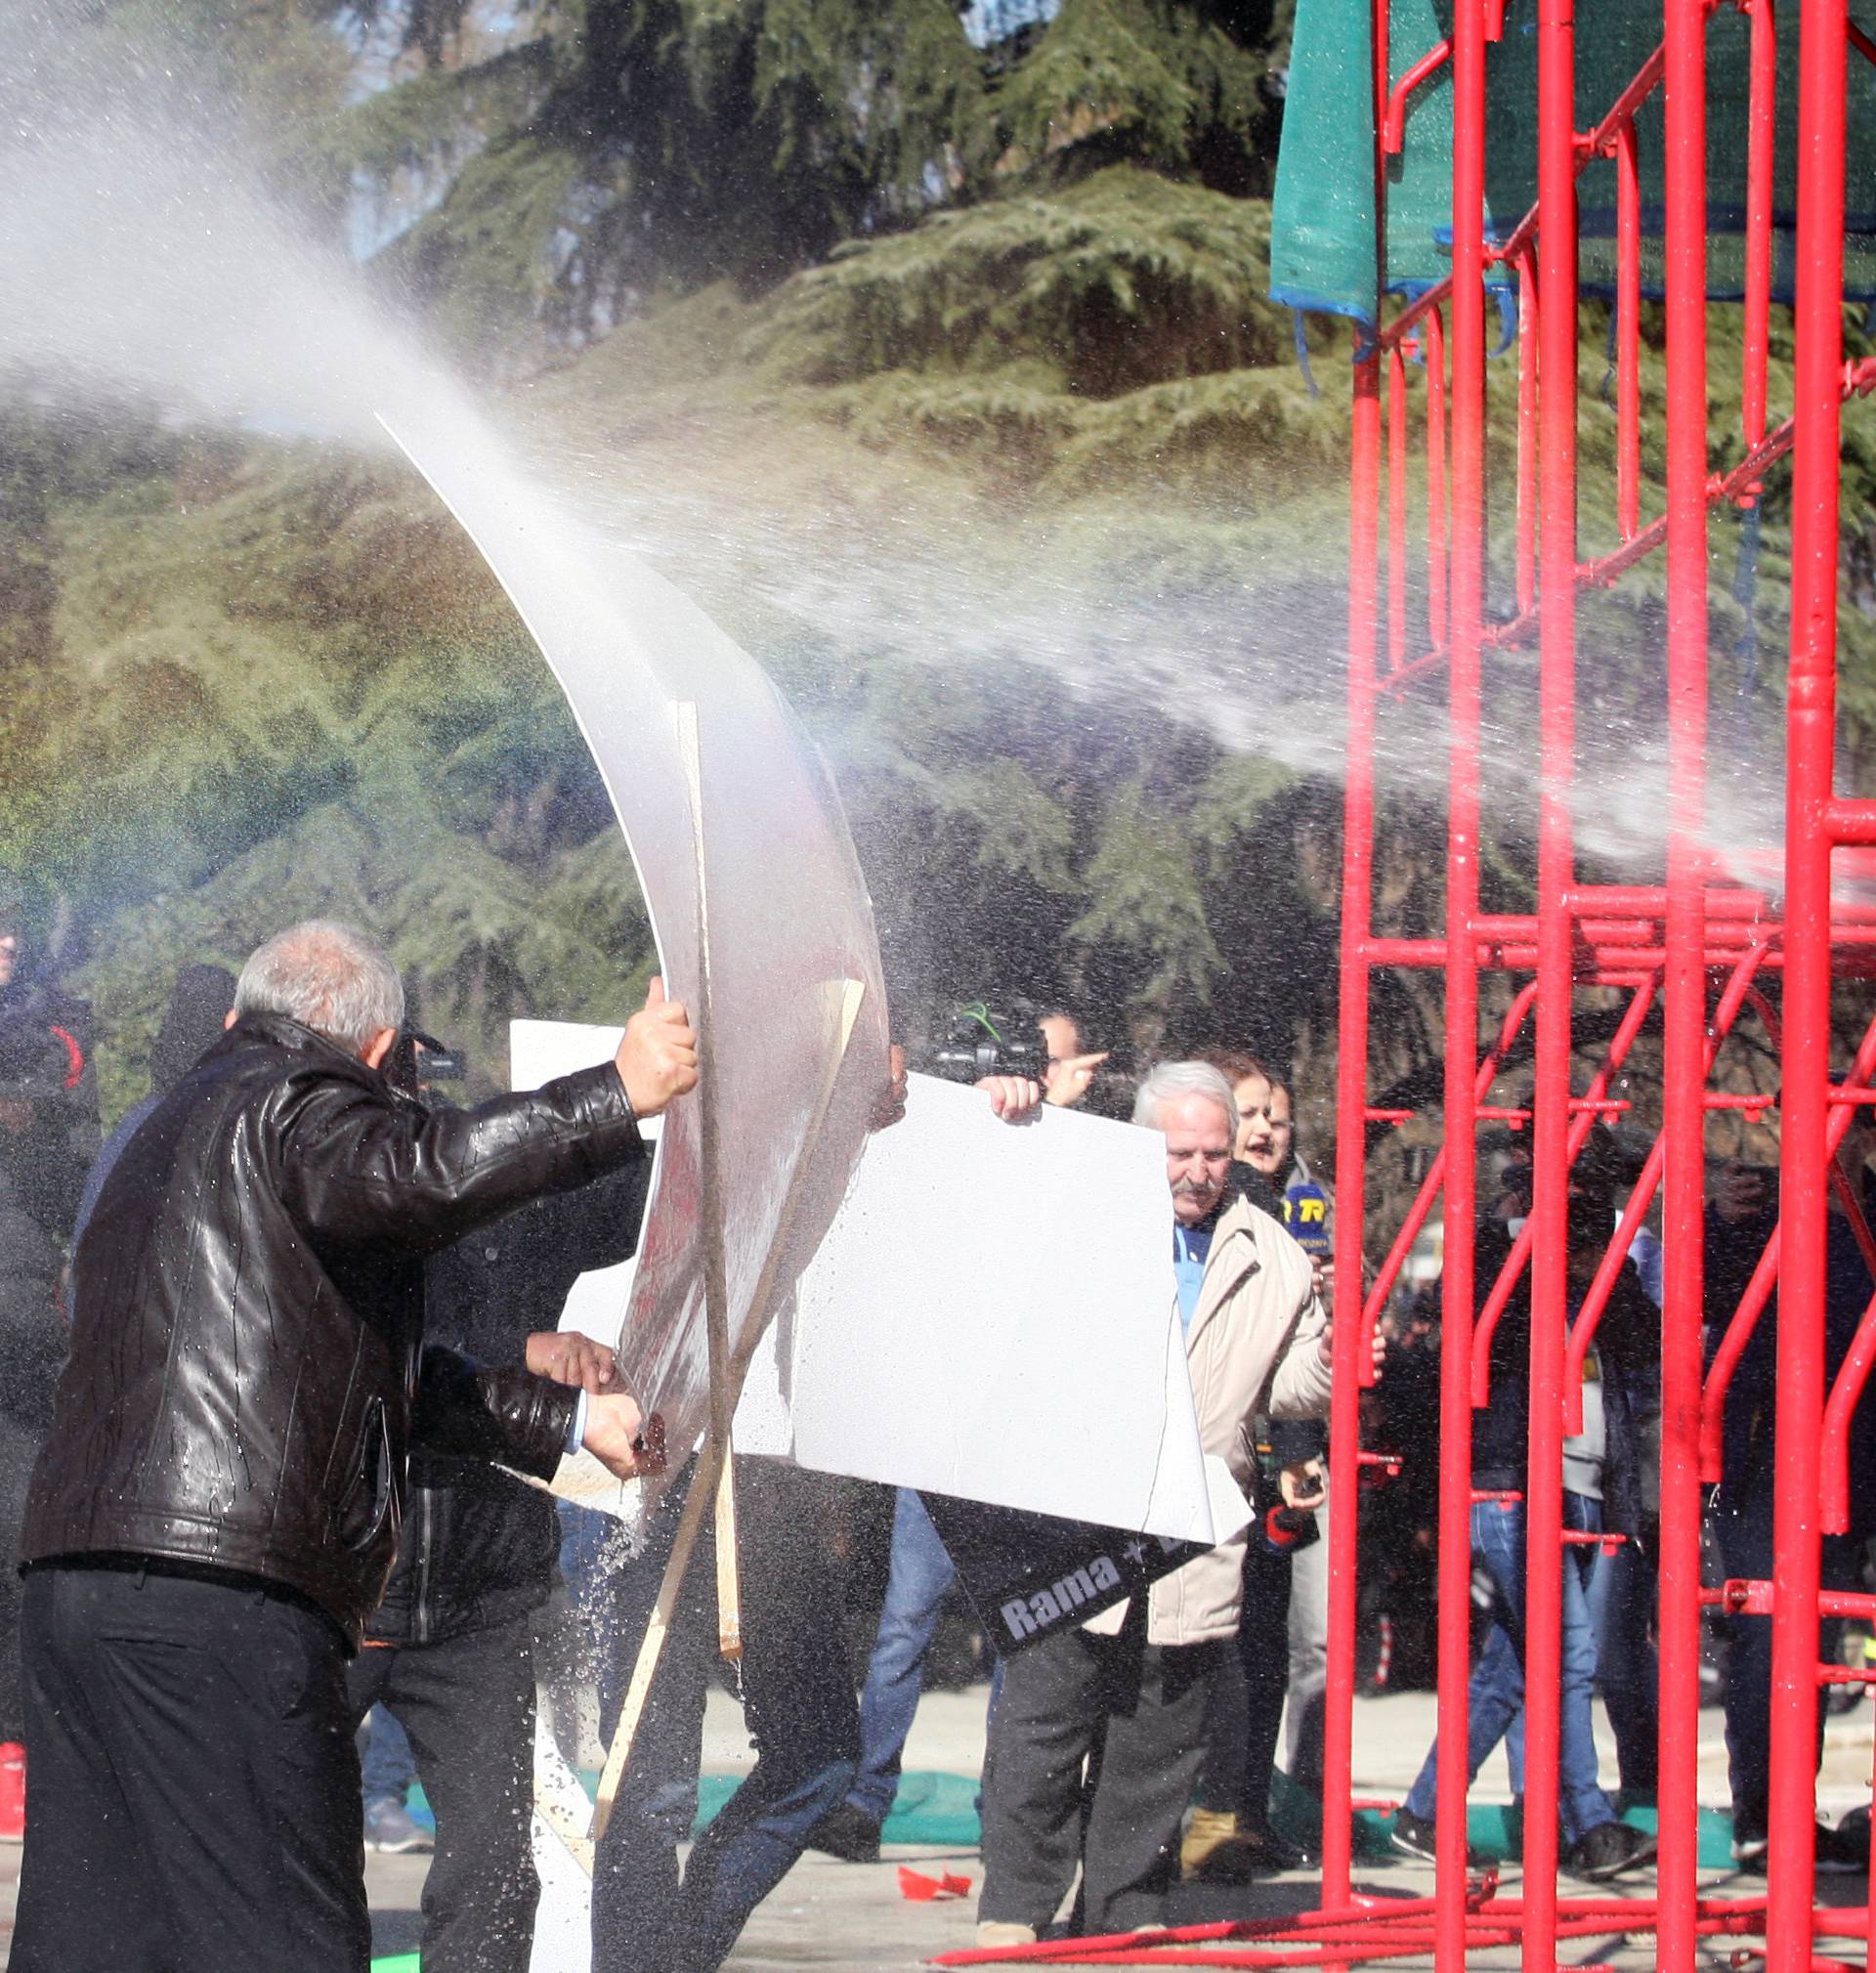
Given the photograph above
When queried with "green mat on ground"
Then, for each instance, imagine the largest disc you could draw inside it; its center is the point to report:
(936, 1808)
(1488, 1827)
(940, 1810)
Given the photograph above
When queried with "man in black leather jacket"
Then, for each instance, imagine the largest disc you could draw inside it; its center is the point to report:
(217, 1503)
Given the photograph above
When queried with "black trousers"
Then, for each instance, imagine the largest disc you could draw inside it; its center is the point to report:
(802, 1712)
(195, 1784)
(1144, 1707)
(1245, 1708)
(468, 1706)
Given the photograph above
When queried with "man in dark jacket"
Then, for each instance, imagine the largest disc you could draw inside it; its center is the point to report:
(450, 1648)
(217, 1503)
(1740, 1220)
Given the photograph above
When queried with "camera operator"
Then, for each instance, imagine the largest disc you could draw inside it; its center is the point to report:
(919, 1573)
(649, 1916)
(215, 1509)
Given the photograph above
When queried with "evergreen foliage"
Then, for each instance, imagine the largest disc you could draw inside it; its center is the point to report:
(1123, 279)
(1166, 82)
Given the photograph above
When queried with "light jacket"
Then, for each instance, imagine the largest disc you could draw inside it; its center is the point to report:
(1253, 1347)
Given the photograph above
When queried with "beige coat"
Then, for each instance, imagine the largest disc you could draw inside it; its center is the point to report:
(1253, 1347)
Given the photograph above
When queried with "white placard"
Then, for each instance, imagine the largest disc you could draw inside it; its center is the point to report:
(992, 1316)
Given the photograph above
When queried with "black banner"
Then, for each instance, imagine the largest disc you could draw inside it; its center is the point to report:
(1030, 1576)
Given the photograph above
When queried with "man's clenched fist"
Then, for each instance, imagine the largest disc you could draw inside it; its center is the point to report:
(657, 1058)
(622, 1438)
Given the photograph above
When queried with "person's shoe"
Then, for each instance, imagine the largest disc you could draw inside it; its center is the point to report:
(847, 1832)
(1843, 1852)
(1852, 1836)
(1606, 1851)
(12, 1792)
(1250, 1852)
(995, 1932)
(391, 1829)
(1414, 1836)
(1207, 1830)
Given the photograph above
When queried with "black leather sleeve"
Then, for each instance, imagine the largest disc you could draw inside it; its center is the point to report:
(359, 1167)
(510, 1416)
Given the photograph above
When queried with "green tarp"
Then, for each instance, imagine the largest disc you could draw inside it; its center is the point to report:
(1323, 252)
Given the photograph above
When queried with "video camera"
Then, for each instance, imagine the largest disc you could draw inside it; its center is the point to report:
(417, 1059)
(1283, 1529)
(979, 1042)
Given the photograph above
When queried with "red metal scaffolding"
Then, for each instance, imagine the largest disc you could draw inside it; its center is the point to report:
(1700, 948)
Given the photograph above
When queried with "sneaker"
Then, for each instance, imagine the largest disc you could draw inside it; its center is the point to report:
(391, 1829)
(1414, 1836)
(12, 1792)
(1606, 1851)
(1250, 1852)
(995, 1932)
(847, 1832)
(1842, 1852)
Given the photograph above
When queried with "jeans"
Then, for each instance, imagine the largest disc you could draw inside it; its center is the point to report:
(802, 1715)
(920, 1579)
(1308, 1690)
(1495, 1698)
(389, 1766)
(1621, 1604)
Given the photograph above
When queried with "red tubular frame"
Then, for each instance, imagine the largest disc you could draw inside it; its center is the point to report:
(1675, 945)
(1700, 946)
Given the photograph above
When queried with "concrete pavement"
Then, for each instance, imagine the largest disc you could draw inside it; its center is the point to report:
(851, 1918)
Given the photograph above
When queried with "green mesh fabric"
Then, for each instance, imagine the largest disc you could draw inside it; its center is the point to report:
(1323, 251)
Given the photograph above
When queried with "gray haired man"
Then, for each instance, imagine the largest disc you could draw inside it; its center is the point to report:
(216, 1505)
(1134, 1682)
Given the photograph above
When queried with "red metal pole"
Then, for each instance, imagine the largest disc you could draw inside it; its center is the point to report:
(1396, 508)
(1557, 247)
(1436, 565)
(1760, 136)
(1685, 1057)
(1351, 1063)
(1628, 333)
(1462, 1095)
(1351, 1095)
(1810, 715)
(1529, 328)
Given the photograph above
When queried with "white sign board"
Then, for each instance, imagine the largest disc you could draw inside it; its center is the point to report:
(992, 1316)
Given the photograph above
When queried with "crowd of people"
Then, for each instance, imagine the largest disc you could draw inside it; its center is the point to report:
(274, 1352)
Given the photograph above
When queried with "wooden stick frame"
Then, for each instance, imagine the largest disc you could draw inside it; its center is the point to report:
(712, 1461)
(716, 1291)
